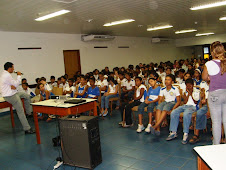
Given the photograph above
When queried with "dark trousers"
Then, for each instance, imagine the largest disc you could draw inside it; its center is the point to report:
(128, 110)
(129, 94)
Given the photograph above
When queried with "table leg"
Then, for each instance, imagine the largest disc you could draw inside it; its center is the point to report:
(36, 126)
(12, 116)
(95, 108)
(202, 165)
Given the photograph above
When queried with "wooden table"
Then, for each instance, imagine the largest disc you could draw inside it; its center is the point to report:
(61, 109)
(211, 157)
(5, 104)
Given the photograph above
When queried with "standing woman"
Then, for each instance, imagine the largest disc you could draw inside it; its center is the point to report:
(214, 71)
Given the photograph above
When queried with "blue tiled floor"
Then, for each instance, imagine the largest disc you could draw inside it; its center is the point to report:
(121, 148)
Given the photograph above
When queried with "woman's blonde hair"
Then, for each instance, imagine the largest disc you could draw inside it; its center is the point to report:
(218, 52)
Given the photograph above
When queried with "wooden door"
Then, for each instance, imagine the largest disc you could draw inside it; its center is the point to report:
(71, 62)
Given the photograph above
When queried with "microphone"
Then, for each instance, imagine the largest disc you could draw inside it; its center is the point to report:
(16, 72)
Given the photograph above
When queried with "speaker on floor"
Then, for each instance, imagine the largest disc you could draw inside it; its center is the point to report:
(80, 141)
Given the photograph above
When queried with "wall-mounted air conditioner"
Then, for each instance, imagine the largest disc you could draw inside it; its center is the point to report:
(97, 38)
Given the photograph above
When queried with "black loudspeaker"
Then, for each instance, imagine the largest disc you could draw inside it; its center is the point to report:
(80, 141)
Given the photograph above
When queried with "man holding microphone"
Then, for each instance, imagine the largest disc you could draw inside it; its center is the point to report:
(8, 88)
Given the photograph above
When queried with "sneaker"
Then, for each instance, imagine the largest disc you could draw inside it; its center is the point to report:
(148, 128)
(171, 136)
(105, 114)
(140, 128)
(120, 123)
(185, 139)
(152, 130)
(126, 126)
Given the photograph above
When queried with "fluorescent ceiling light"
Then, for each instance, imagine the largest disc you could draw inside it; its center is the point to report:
(185, 31)
(210, 33)
(159, 28)
(61, 12)
(118, 22)
(222, 18)
(216, 4)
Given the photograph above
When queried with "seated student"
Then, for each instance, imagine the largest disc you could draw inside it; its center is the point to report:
(172, 101)
(197, 77)
(77, 80)
(44, 95)
(96, 74)
(27, 90)
(180, 77)
(37, 91)
(46, 85)
(139, 97)
(81, 91)
(150, 102)
(111, 93)
(71, 89)
(102, 83)
(128, 87)
(93, 91)
(20, 88)
(191, 98)
(183, 85)
(121, 78)
(169, 71)
(161, 74)
(64, 84)
(190, 69)
(145, 78)
(201, 116)
(154, 74)
(52, 82)
(58, 83)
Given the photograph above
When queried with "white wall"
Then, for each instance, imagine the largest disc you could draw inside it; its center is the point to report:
(49, 60)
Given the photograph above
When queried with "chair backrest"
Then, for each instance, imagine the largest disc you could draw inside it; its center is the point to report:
(57, 91)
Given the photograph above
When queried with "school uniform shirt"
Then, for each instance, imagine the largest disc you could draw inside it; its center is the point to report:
(197, 82)
(195, 95)
(145, 81)
(93, 92)
(179, 80)
(44, 95)
(88, 83)
(129, 85)
(101, 84)
(72, 88)
(170, 96)
(138, 92)
(80, 90)
(163, 76)
(153, 94)
(183, 86)
(6, 81)
(112, 88)
(96, 77)
(52, 85)
(65, 86)
(205, 85)
(29, 92)
(122, 82)
(47, 87)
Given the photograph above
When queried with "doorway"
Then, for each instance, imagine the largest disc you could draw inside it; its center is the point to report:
(71, 62)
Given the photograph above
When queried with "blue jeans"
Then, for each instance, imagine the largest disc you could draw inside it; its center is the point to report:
(175, 115)
(105, 100)
(201, 118)
(150, 107)
(167, 106)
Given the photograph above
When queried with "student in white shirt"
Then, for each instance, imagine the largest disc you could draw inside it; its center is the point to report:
(46, 85)
(191, 98)
(128, 87)
(111, 93)
(27, 90)
(202, 113)
(64, 84)
(183, 85)
(20, 88)
(161, 74)
(72, 88)
(52, 82)
(180, 77)
(8, 90)
(96, 74)
(102, 83)
(139, 97)
(172, 101)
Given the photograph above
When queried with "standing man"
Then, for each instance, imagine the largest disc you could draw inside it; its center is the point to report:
(8, 88)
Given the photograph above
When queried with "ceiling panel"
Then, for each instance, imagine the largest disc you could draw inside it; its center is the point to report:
(19, 15)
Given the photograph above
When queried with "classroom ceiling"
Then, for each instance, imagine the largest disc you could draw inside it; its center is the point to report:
(19, 15)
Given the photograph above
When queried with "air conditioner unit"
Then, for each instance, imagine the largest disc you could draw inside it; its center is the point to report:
(97, 38)
(159, 40)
